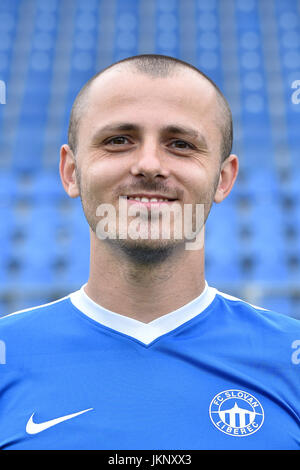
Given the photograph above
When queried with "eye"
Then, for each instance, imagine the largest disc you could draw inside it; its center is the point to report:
(181, 144)
(118, 140)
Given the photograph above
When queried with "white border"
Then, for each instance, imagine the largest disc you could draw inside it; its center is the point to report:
(144, 332)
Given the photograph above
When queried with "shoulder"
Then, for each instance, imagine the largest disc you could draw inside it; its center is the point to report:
(271, 338)
(17, 322)
(257, 315)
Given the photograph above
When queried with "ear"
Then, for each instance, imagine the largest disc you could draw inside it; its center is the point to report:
(67, 167)
(229, 171)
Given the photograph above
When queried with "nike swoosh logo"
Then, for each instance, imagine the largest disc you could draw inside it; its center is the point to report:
(35, 428)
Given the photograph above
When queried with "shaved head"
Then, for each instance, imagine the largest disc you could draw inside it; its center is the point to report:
(154, 66)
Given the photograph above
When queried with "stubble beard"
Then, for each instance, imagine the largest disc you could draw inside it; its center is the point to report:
(141, 252)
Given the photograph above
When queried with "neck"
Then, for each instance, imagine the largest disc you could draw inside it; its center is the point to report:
(143, 291)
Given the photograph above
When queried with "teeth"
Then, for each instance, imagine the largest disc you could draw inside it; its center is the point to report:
(146, 199)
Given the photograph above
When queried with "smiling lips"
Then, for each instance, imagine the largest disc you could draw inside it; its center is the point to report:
(149, 199)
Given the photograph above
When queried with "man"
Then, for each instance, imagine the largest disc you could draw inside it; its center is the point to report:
(146, 355)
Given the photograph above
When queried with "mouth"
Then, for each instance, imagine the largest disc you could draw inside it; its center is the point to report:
(149, 199)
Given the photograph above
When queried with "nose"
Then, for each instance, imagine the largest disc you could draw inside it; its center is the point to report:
(149, 162)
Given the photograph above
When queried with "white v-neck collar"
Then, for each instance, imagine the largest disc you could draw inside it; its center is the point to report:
(144, 332)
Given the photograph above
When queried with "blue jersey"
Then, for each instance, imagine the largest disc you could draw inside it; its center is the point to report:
(217, 373)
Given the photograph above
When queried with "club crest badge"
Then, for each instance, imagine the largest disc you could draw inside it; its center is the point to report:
(236, 413)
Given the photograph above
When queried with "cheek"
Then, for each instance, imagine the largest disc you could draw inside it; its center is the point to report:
(98, 172)
(99, 179)
(195, 178)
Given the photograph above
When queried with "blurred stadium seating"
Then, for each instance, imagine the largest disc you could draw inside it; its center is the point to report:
(50, 48)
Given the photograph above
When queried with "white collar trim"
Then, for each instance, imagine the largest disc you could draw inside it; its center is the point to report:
(144, 332)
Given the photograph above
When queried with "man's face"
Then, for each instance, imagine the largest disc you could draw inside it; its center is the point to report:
(142, 136)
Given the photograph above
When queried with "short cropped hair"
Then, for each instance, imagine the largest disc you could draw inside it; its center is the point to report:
(156, 66)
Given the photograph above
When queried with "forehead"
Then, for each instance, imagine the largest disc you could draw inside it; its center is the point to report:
(122, 91)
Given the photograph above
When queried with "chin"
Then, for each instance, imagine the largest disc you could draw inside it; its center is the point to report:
(147, 252)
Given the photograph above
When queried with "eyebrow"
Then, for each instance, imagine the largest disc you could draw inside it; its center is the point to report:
(170, 129)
